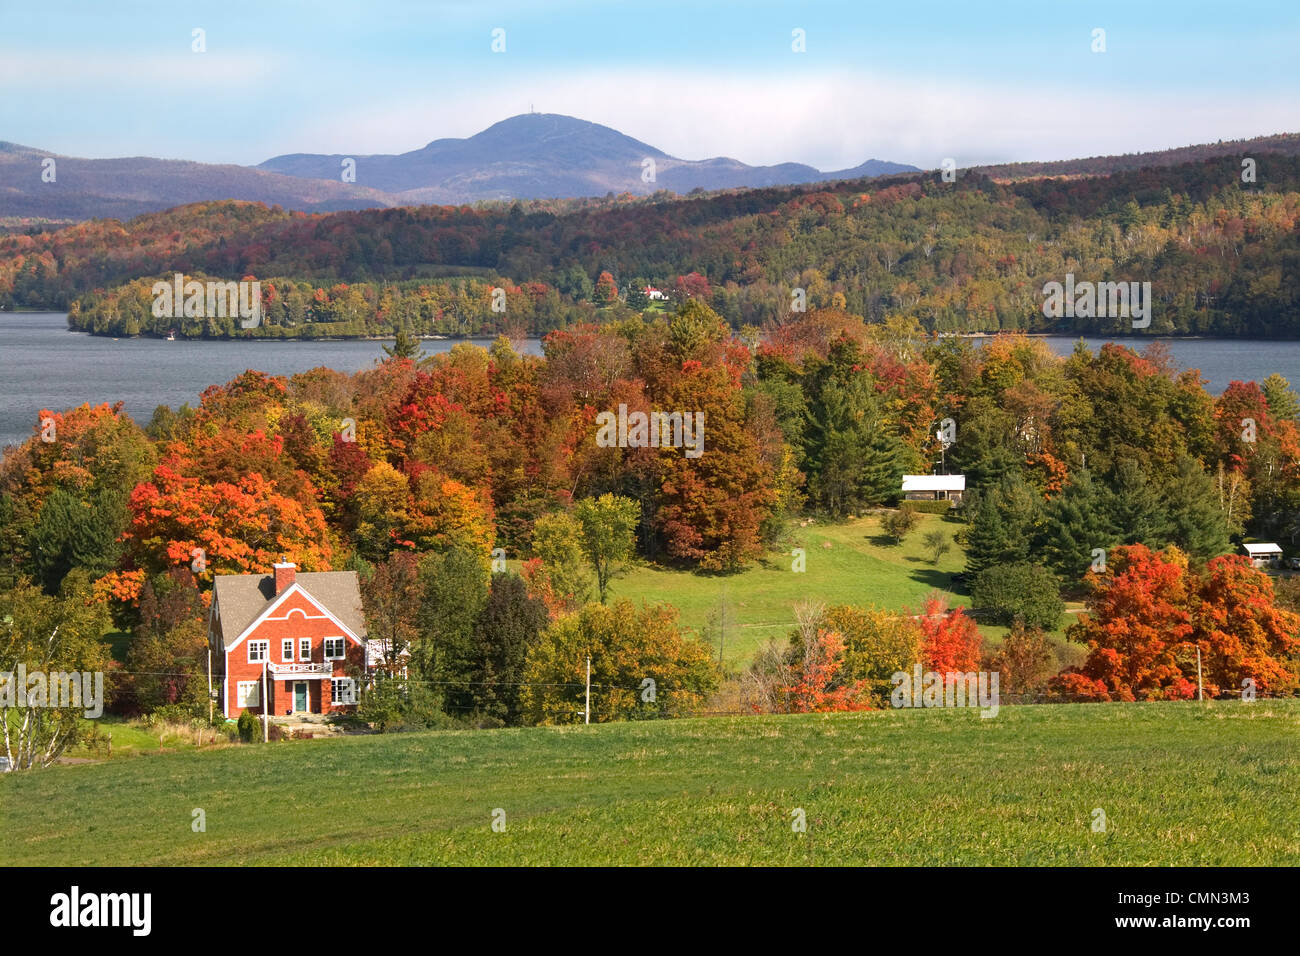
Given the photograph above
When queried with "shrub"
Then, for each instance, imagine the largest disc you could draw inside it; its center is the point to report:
(1024, 662)
(897, 524)
(1028, 593)
(936, 544)
(178, 714)
(249, 725)
(926, 507)
(393, 704)
(877, 644)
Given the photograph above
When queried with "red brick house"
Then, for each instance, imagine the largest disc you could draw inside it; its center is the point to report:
(302, 636)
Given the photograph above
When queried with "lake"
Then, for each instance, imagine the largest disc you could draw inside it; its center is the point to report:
(43, 365)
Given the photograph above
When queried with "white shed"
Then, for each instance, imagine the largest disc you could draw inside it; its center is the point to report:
(1264, 554)
(934, 487)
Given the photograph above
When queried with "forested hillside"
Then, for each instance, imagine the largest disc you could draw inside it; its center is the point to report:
(1222, 256)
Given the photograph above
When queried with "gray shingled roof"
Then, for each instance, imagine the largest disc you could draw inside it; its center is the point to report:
(242, 597)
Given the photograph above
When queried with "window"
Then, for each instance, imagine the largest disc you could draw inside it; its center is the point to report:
(344, 690)
(248, 693)
(286, 649)
(304, 648)
(258, 651)
(334, 648)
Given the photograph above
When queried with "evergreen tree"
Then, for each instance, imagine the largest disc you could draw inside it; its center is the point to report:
(1282, 401)
(855, 458)
(1197, 523)
(1135, 507)
(507, 629)
(1005, 520)
(1076, 522)
(405, 346)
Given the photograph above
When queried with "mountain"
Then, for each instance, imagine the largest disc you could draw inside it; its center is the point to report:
(533, 156)
(122, 188)
(548, 156)
(1286, 144)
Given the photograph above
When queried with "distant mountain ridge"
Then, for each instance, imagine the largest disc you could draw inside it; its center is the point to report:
(531, 156)
(550, 156)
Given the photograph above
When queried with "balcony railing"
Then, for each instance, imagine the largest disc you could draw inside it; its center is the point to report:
(304, 669)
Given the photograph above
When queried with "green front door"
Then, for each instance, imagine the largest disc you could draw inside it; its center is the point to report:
(300, 696)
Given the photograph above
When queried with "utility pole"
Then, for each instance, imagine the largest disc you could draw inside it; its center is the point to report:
(209, 682)
(722, 625)
(1200, 688)
(587, 713)
(266, 712)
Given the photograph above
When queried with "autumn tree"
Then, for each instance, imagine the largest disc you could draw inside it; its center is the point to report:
(47, 634)
(1138, 615)
(642, 665)
(607, 524)
(950, 641)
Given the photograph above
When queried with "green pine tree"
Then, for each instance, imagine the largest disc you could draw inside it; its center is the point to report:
(1136, 507)
(1197, 523)
(1005, 520)
(1076, 522)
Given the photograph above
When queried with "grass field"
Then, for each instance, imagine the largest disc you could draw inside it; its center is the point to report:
(1180, 783)
(846, 563)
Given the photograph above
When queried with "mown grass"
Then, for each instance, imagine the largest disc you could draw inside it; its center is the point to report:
(846, 563)
(1180, 783)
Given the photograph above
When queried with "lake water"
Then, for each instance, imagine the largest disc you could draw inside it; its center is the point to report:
(43, 365)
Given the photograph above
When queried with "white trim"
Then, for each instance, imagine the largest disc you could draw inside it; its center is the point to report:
(325, 651)
(334, 701)
(261, 660)
(241, 695)
(280, 599)
(286, 658)
(307, 655)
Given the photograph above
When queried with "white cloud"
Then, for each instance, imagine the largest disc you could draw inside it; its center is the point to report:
(167, 72)
(830, 120)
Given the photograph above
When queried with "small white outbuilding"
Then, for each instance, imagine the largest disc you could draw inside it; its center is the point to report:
(934, 487)
(1264, 554)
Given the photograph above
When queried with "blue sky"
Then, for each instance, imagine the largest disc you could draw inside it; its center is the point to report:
(912, 82)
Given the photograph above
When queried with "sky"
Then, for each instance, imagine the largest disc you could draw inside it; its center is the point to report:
(911, 82)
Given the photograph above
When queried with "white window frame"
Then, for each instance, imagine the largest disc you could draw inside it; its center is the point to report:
(336, 697)
(304, 648)
(263, 646)
(248, 693)
(343, 648)
(286, 648)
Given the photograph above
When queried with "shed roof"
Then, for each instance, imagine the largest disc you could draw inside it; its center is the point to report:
(934, 483)
(1262, 548)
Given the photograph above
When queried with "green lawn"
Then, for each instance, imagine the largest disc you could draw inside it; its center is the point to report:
(1180, 783)
(846, 563)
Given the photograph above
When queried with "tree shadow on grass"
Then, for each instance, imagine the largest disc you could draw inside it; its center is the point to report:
(933, 577)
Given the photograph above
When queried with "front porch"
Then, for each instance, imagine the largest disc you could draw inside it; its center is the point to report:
(300, 691)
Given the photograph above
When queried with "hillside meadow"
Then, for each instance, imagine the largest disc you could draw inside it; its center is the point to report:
(1180, 784)
(846, 562)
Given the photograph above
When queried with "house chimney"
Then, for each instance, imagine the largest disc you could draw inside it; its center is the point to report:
(285, 572)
